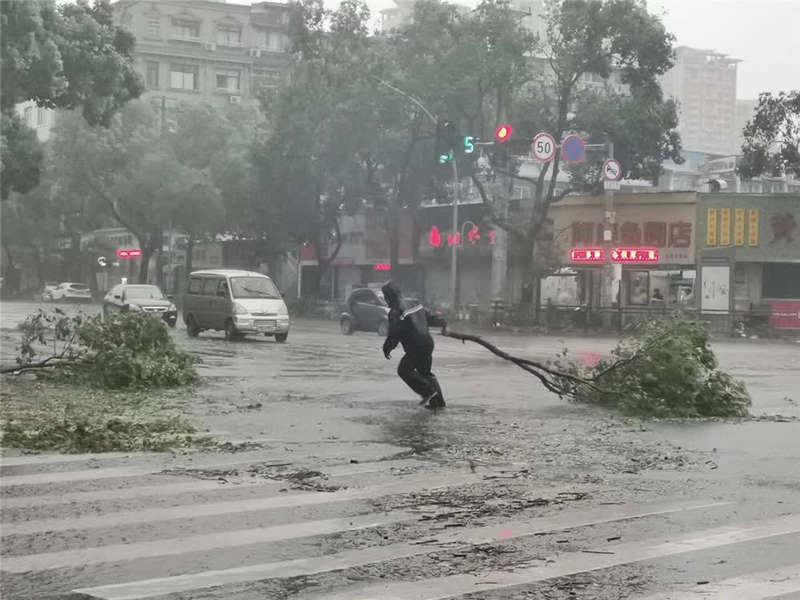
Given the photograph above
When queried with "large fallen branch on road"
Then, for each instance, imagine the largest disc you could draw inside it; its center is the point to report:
(552, 379)
(667, 370)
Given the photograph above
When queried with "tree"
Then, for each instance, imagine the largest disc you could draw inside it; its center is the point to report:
(319, 124)
(68, 56)
(772, 138)
(591, 38)
(124, 171)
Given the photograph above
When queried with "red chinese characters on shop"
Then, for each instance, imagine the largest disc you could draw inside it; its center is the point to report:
(659, 234)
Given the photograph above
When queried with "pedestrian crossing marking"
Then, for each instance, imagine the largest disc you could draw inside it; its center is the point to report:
(149, 515)
(571, 563)
(455, 540)
(172, 487)
(757, 586)
(76, 557)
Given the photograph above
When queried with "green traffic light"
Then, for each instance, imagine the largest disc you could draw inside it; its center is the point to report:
(445, 158)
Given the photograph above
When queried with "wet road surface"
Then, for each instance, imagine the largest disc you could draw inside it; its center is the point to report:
(338, 486)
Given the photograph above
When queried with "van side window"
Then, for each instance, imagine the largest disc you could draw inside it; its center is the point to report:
(210, 287)
(222, 290)
(195, 285)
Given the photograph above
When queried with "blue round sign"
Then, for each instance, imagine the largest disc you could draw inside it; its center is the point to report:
(573, 149)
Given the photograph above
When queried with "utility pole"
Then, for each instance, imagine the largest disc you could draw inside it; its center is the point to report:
(609, 269)
(456, 239)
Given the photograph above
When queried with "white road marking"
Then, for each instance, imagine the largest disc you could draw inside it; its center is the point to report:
(77, 557)
(115, 519)
(46, 459)
(454, 540)
(180, 487)
(566, 564)
(756, 586)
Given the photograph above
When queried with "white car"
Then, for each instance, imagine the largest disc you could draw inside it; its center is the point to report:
(71, 292)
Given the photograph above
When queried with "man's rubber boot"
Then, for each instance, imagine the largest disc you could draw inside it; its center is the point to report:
(436, 403)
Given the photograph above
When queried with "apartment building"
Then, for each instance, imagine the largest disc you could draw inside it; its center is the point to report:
(190, 51)
(704, 84)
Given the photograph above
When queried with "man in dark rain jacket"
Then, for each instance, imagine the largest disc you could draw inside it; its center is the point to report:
(409, 327)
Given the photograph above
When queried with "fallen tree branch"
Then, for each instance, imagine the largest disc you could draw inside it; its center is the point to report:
(534, 368)
(44, 364)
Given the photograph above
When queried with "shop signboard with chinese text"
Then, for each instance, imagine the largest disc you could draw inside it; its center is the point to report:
(663, 222)
(757, 227)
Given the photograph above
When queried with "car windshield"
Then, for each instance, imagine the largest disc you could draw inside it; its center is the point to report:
(78, 287)
(143, 292)
(253, 287)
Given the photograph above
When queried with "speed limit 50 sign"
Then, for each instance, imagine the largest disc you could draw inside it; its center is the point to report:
(544, 147)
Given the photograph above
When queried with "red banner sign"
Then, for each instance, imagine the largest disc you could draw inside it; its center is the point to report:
(785, 314)
(129, 253)
(634, 255)
(587, 255)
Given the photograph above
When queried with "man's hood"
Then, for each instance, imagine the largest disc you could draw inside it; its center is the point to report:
(392, 293)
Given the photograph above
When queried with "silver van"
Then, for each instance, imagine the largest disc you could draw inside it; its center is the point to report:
(236, 302)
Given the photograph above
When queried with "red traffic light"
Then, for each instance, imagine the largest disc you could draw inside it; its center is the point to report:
(503, 133)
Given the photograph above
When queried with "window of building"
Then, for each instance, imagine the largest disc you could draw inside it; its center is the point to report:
(184, 77)
(274, 41)
(41, 116)
(781, 281)
(228, 80)
(266, 74)
(153, 27)
(29, 115)
(152, 74)
(185, 29)
(229, 35)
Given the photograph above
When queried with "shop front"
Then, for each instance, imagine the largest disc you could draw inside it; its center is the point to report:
(665, 222)
(750, 257)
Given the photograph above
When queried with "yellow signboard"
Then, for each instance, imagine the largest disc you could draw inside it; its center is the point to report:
(725, 227)
(752, 229)
(738, 227)
(711, 227)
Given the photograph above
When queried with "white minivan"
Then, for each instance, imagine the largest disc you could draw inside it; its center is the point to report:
(236, 302)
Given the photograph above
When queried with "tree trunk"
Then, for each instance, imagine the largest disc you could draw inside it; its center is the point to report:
(189, 259)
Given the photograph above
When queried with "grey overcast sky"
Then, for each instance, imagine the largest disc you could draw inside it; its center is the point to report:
(763, 34)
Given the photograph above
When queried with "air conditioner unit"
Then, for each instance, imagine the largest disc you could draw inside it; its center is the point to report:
(210, 46)
(235, 99)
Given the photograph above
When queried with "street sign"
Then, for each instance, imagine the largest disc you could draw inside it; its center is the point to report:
(587, 255)
(611, 185)
(612, 170)
(544, 147)
(129, 253)
(101, 260)
(573, 149)
(635, 255)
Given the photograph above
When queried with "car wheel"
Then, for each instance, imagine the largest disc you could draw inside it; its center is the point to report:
(191, 327)
(383, 328)
(230, 331)
(346, 325)
(281, 337)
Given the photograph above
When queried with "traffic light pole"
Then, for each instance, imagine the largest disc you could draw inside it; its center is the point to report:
(454, 247)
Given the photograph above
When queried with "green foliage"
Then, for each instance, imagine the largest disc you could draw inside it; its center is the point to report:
(127, 350)
(668, 370)
(772, 138)
(65, 418)
(22, 154)
(68, 56)
(132, 349)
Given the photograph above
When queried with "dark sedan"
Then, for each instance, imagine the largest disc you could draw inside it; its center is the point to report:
(367, 311)
(139, 297)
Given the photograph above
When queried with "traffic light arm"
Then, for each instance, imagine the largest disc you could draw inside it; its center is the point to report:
(411, 98)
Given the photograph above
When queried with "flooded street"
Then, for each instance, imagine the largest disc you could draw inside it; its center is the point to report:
(332, 483)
